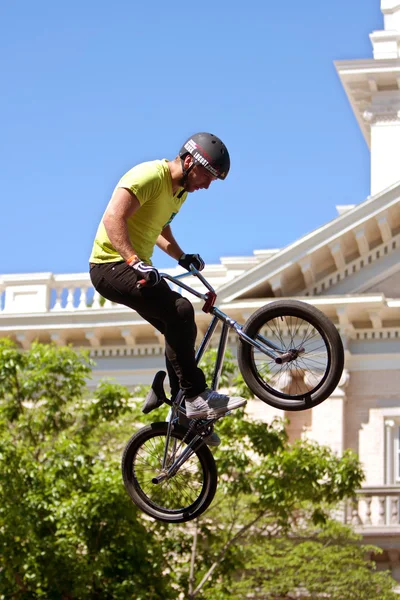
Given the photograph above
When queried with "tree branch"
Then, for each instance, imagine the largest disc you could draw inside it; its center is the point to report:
(192, 561)
(224, 550)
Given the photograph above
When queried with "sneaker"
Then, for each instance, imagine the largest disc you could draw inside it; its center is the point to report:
(210, 405)
(211, 440)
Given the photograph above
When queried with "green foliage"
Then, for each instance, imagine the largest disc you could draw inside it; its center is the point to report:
(329, 563)
(67, 527)
(230, 376)
(68, 530)
(40, 377)
(207, 365)
(141, 391)
(110, 401)
(240, 387)
(266, 488)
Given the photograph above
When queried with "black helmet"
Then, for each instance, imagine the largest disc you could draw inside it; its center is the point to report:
(209, 151)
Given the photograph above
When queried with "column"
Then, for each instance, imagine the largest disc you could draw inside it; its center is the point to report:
(328, 418)
(389, 450)
(383, 117)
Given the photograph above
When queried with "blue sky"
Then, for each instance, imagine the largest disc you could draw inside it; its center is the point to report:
(91, 88)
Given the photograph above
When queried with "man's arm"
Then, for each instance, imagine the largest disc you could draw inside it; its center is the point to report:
(122, 205)
(168, 243)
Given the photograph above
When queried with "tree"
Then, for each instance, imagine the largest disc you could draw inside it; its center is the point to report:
(267, 489)
(270, 520)
(69, 531)
(327, 562)
(67, 528)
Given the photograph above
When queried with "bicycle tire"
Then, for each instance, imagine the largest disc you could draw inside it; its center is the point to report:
(292, 313)
(147, 495)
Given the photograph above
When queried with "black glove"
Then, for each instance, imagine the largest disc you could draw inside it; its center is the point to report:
(191, 259)
(147, 272)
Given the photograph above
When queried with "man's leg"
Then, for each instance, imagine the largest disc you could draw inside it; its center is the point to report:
(167, 310)
(117, 282)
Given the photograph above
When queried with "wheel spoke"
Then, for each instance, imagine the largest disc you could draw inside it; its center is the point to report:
(175, 493)
(305, 372)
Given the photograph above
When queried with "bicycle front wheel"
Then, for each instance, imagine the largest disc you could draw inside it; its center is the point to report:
(180, 497)
(312, 350)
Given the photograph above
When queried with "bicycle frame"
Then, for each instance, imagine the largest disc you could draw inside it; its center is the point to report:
(218, 315)
(176, 454)
(262, 344)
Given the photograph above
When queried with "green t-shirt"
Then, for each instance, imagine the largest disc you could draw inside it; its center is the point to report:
(152, 185)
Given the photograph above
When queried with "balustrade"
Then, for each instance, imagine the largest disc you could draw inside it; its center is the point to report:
(46, 292)
(375, 506)
(50, 293)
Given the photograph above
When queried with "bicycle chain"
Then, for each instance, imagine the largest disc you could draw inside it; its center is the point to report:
(201, 428)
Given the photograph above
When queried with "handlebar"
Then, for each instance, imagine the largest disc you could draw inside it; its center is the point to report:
(209, 297)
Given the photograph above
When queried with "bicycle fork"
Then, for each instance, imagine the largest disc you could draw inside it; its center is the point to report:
(178, 461)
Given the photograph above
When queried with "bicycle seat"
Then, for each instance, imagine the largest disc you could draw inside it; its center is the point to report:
(156, 396)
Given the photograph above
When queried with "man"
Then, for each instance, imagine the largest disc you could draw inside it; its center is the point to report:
(137, 218)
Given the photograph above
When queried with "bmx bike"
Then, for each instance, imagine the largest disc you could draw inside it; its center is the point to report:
(290, 356)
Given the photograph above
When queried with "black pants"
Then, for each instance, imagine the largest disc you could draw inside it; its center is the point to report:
(166, 310)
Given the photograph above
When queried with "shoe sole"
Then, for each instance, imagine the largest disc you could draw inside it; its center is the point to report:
(213, 413)
(212, 443)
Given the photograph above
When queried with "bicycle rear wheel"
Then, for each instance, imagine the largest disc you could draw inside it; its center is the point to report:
(318, 357)
(179, 498)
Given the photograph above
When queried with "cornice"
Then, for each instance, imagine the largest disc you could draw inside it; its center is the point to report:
(373, 74)
(310, 243)
(323, 285)
(389, 6)
(367, 66)
(373, 116)
(17, 278)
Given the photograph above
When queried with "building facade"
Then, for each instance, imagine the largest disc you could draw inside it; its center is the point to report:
(349, 268)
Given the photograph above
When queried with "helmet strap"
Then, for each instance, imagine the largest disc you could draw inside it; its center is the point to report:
(185, 173)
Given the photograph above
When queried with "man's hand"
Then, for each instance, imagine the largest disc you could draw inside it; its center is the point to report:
(191, 259)
(146, 272)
